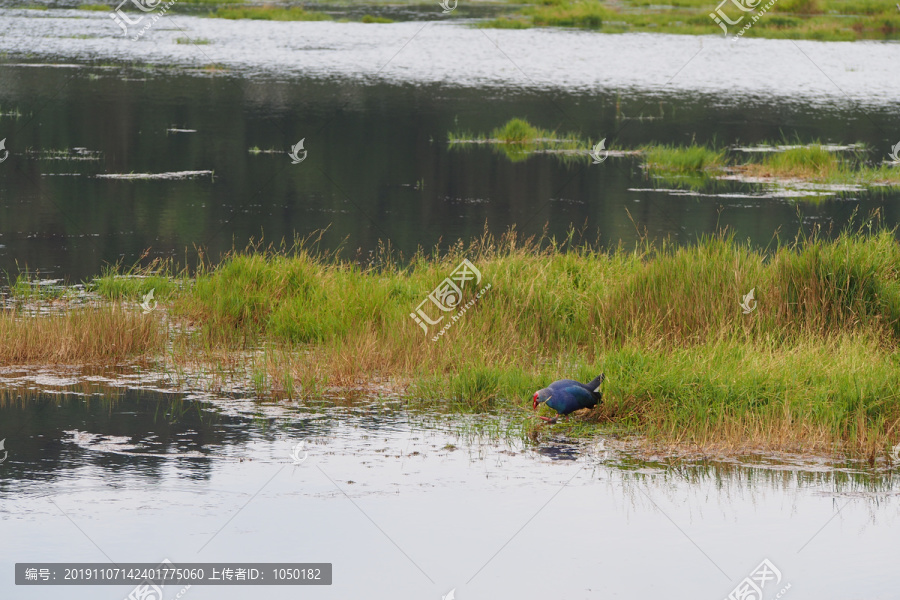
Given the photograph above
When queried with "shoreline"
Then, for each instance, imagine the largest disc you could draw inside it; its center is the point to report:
(823, 20)
(812, 364)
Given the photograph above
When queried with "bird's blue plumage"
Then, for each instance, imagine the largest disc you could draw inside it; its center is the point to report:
(571, 398)
(567, 395)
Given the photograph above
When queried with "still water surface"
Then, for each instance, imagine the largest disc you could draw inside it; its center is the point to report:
(404, 504)
(374, 104)
(411, 505)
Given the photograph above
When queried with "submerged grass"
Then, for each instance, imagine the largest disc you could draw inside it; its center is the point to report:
(813, 368)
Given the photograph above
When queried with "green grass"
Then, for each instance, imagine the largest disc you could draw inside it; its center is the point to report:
(834, 20)
(269, 13)
(682, 159)
(208, 2)
(813, 367)
(371, 19)
(119, 287)
(697, 166)
(693, 167)
(194, 41)
(813, 159)
(814, 163)
(587, 14)
(26, 288)
(518, 131)
(95, 7)
(518, 140)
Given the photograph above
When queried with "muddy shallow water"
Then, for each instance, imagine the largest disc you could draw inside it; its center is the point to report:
(416, 504)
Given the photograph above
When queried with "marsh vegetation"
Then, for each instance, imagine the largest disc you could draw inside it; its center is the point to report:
(813, 368)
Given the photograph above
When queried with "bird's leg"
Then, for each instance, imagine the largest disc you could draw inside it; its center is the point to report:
(548, 419)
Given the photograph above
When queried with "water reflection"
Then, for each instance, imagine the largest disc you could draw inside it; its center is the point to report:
(143, 465)
(373, 171)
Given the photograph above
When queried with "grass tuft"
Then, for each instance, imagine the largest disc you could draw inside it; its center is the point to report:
(682, 159)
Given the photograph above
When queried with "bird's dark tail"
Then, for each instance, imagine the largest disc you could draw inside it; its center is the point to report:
(595, 384)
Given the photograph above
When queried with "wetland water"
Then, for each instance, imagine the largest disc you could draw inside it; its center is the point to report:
(411, 505)
(374, 104)
(405, 505)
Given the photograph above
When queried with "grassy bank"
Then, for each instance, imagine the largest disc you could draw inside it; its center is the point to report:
(834, 20)
(814, 367)
(269, 13)
(837, 20)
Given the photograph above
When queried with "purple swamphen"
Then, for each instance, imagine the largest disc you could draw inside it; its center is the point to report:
(567, 395)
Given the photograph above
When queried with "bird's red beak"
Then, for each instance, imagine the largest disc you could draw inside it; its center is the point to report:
(534, 402)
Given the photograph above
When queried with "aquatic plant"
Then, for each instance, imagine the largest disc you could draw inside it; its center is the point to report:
(518, 139)
(682, 159)
(699, 166)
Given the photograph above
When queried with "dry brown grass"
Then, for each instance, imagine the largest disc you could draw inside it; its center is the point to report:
(104, 334)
